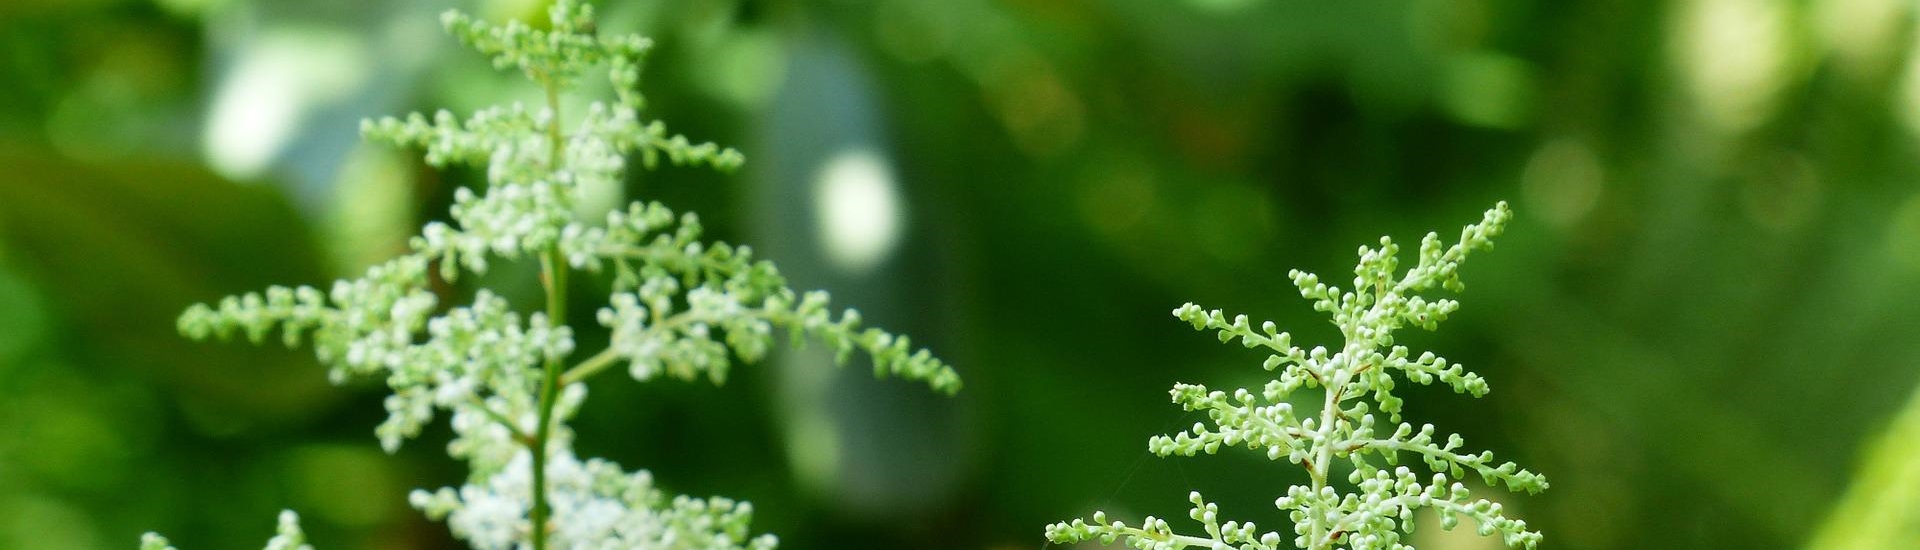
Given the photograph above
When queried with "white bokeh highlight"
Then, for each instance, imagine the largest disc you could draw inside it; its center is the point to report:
(857, 204)
(271, 88)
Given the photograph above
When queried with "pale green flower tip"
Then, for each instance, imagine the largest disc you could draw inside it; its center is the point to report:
(196, 322)
(947, 382)
(729, 160)
(289, 523)
(153, 541)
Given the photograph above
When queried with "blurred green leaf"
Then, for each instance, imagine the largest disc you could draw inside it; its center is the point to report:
(1881, 510)
(121, 248)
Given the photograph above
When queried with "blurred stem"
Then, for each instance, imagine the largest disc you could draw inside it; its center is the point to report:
(591, 366)
(600, 361)
(553, 270)
(501, 419)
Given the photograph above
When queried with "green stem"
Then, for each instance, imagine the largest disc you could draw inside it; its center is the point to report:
(606, 358)
(553, 268)
(591, 366)
(556, 278)
(554, 146)
(1319, 467)
(1334, 387)
(500, 419)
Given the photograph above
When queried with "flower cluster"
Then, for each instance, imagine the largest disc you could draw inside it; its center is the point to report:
(679, 306)
(606, 508)
(1344, 428)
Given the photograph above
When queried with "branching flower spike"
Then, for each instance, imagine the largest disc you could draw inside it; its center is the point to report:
(1379, 506)
(679, 307)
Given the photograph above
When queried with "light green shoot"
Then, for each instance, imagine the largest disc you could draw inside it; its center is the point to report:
(1356, 383)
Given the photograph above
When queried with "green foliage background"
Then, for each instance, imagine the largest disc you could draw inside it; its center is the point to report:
(1701, 324)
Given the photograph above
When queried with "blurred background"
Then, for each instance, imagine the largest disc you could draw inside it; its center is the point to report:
(1701, 325)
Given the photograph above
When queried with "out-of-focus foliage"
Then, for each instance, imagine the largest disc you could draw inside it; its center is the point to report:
(1700, 319)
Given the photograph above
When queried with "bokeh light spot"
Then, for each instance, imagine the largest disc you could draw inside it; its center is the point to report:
(265, 97)
(1562, 182)
(858, 208)
(1863, 34)
(1733, 57)
(1488, 89)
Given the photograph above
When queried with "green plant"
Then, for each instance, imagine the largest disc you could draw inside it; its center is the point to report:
(679, 307)
(1343, 425)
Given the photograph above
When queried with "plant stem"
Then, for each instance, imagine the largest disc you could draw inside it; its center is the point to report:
(1342, 372)
(1319, 469)
(556, 278)
(593, 365)
(553, 270)
(600, 361)
(1332, 386)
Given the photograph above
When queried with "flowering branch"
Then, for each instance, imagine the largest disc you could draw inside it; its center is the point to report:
(678, 306)
(1342, 429)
